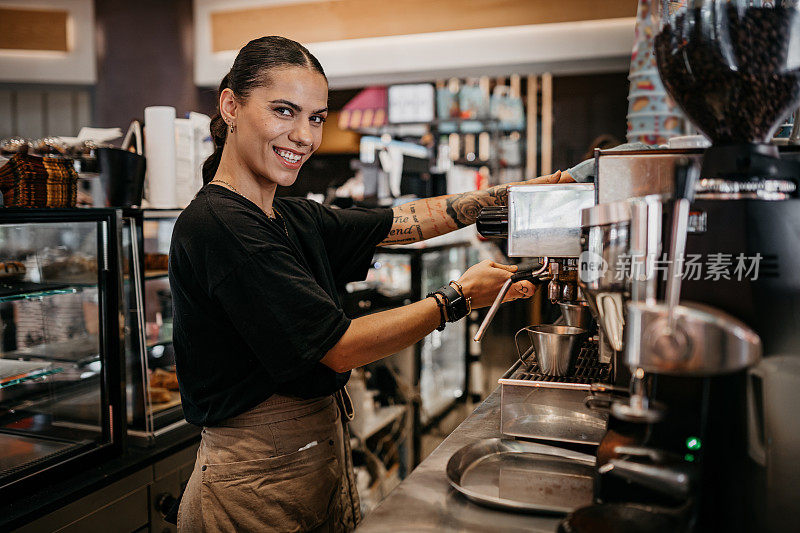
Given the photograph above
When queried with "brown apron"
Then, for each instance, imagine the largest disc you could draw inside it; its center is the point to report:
(284, 465)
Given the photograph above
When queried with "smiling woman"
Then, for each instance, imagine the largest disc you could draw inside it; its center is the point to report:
(263, 348)
(273, 103)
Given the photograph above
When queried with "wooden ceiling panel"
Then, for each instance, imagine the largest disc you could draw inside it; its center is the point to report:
(334, 20)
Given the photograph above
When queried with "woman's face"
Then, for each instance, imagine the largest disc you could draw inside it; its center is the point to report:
(279, 126)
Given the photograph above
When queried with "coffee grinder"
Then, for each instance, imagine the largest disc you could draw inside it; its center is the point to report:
(730, 222)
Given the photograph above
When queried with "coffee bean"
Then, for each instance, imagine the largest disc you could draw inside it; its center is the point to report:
(727, 68)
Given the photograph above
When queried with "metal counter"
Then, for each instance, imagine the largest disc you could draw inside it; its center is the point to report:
(425, 501)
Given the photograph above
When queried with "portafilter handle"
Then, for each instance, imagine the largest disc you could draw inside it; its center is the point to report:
(669, 480)
(522, 274)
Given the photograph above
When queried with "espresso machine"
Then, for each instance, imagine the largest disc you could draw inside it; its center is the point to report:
(708, 248)
(561, 366)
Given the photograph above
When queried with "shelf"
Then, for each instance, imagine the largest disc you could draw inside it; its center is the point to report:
(15, 372)
(79, 351)
(474, 126)
(18, 452)
(155, 274)
(367, 425)
(155, 408)
(25, 290)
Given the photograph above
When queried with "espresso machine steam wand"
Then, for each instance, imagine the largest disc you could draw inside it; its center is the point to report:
(518, 276)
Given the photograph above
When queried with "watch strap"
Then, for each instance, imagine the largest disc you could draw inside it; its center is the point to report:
(455, 303)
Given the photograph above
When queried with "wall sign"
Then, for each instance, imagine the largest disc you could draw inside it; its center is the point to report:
(411, 103)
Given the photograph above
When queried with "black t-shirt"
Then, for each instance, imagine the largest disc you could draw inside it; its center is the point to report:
(256, 309)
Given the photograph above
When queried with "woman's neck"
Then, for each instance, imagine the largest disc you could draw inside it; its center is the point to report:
(236, 175)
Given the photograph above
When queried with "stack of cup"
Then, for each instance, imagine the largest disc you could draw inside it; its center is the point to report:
(652, 115)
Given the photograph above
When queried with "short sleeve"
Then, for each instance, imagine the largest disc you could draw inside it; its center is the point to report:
(351, 236)
(281, 312)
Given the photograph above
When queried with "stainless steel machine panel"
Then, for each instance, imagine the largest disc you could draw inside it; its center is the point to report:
(623, 175)
(552, 408)
(545, 220)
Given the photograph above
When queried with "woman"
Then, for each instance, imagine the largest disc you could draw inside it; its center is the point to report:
(262, 345)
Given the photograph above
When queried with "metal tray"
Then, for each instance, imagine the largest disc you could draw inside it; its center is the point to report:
(522, 476)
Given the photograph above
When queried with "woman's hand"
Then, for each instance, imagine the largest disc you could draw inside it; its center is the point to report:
(380, 334)
(556, 177)
(482, 283)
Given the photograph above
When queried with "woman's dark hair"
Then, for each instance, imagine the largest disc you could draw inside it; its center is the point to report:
(250, 70)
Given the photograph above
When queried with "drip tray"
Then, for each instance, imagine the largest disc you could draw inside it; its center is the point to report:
(522, 476)
(537, 406)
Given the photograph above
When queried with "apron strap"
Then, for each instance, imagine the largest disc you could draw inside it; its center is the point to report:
(345, 404)
(350, 498)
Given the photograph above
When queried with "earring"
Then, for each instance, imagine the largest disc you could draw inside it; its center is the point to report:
(233, 128)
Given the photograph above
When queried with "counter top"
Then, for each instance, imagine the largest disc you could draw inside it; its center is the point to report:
(424, 501)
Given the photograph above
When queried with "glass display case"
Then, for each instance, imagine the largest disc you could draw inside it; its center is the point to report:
(60, 345)
(401, 275)
(443, 354)
(154, 403)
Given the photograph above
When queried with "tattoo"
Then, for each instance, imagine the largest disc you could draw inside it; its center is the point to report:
(406, 226)
(387, 241)
(500, 194)
(408, 230)
(417, 225)
(464, 208)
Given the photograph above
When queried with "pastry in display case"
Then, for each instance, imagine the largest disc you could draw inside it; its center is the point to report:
(60, 342)
(154, 402)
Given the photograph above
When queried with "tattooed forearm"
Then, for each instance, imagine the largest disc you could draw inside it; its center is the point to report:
(430, 217)
(406, 226)
(464, 208)
(500, 194)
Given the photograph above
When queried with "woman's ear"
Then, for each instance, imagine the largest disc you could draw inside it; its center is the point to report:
(228, 106)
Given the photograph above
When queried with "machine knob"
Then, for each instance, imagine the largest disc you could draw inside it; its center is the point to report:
(164, 503)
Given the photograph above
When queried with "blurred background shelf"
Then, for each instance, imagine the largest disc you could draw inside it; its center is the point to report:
(367, 424)
(22, 290)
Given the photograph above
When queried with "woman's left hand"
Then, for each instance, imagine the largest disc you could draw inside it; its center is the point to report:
(556, 177)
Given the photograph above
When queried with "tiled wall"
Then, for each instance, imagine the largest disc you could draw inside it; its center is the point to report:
(35, 112)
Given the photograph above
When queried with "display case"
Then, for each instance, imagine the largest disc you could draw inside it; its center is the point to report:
(61, 404)
(153, 399)
(439, 367)
(442, 354)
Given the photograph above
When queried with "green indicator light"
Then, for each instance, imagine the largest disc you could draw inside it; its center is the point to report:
(693, 443)
(689, 458)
